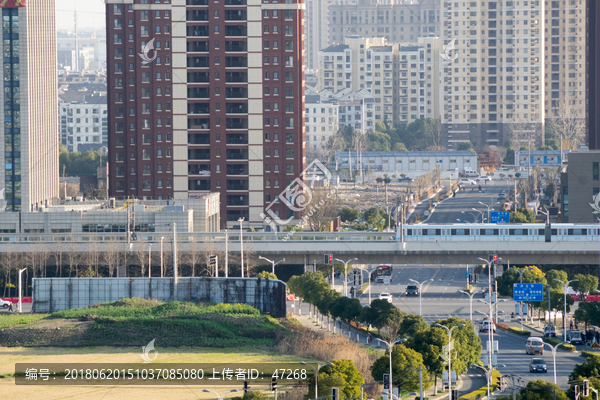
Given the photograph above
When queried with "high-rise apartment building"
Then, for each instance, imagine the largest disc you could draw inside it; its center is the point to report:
(395, 20)
(565, 56)
(316, 30)
(494, 87)
(30, 97)
(217, 106)
(403, 79)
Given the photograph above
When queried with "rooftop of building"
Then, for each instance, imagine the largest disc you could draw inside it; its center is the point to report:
(410, 48)
(540, 152)
(335, 48)
(381, 49)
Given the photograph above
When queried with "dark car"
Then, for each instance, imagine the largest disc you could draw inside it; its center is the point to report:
(406, 178)
(412, 290)
(538, 365)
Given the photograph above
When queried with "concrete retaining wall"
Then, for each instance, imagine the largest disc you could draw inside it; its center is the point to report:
(54, 294)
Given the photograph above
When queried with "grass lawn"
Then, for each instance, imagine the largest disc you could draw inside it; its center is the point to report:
(14, 319)
(11, 355)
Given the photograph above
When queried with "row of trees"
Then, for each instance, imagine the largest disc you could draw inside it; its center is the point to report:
(585, 284)
(425, 343)
(67, 260)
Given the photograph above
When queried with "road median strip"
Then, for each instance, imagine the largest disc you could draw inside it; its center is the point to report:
(482, 392)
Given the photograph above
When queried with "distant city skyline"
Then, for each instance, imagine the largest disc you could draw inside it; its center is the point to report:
(90, 14)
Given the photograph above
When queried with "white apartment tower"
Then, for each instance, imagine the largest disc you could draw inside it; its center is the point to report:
(493, 90)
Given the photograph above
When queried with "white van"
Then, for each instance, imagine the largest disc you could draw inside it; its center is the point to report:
(534, 345)
(470, 173)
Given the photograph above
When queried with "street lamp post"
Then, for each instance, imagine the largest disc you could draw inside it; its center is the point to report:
(449, 355)
(490, 330)
(521, 271)
(162, 264)
(20, 291)
(316, 374)
(470, 301)
(489, 208)
(487, 377)
(390, 346)
(420, 290)
(149, 261)
(369, 273)
(554, 348)
(241, 221)
(346, 273)
(565, 286)
(273, 263)
(468, 213)
(220, 396)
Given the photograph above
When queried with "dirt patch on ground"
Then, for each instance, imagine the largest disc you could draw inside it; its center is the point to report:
(47, 332)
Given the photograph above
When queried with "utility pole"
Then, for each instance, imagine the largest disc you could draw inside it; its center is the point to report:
(226, 253)
(65, 181)
(175, 265)
(241, 221)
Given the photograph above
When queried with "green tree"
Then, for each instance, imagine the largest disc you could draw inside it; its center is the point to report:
(523, 216)
(510, 277)
(510, 156)
(429, 343)
(380, 312)
(399, 146)
(344, 375)
(588, 312)
(466, 343)
(542, 390)
(556, 274)
(266, 275)
(587, 369)
(293, 228)
(586, 283)
(405, 368)
(412, 324)
(349, 214)
(346, 309)
(378, 141)
(252, 395)
(393, 323)
(463, 146)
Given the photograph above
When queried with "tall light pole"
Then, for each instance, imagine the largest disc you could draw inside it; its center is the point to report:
(273, 263)
(470, 301)
(490, 330)
(316, 373)
(449, 355)
(162, 264)
(521, 271)
(369, 272)
(150, 261)
(468, 213)
(241, 221)
(420, 290)
(565, 286)
(390, 346)
(226, 254)
(489, 208)
(554, 355)
(346, 273)
(488, 376)
(20, 291)
(220, 396)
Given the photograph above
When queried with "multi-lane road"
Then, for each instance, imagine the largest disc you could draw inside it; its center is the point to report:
(451, 210)
(441, 300)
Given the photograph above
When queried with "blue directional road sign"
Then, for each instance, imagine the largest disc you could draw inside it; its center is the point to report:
(499, 217)
(528, 292)
(467, 274)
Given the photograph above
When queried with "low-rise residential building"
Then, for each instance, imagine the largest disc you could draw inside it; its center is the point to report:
(321, 120)
(580, 187)
(83, 123)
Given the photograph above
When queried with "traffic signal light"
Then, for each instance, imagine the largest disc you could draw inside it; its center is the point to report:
(355, 279)
(335, 393)
(454, 394)
(246, 387)
(273, 384)
(330, 258)
(495, 257)
(585, 389)
(326, 257)
(576, 391)
(499, 383)
(386, 381)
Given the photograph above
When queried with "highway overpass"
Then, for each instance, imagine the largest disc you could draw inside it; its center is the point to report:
(306, 248)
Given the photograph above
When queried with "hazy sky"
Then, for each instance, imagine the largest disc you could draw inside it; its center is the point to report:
(90, 13)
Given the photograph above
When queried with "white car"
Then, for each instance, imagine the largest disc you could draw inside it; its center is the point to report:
(385, 296)
(484, 178)
(4, 304)
(467, 181)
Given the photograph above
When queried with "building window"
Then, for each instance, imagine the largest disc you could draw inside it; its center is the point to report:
(595, 171)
